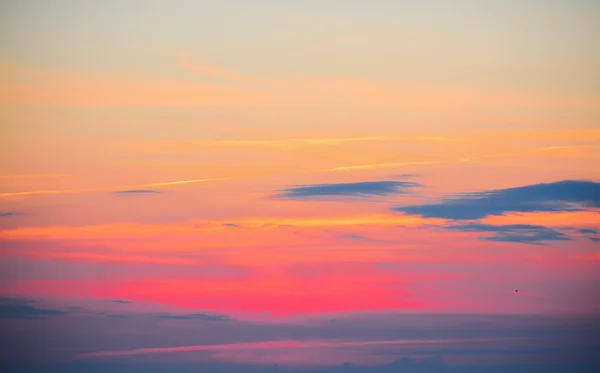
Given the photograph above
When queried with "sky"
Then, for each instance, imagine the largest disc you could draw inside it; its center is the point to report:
(299, 186)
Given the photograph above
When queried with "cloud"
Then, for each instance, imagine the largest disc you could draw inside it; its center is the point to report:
(294, 143)
(120, 301)
(365, 342)
(521, 233)
(292, 344)
(433, 364)
(196, 316)
(7, 214)
(214, 71)
(14, 308)
(360, 237)
(360, 189)
(91, 190)
(586, 231)
(567, 195)
(525, 152)
(589, 233)
(32, 176)
(137, 191)
(44, 88)
(381, 165)
(356, 237)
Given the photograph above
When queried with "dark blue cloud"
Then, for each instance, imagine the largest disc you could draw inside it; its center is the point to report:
(196, 316)
(116, 316)
(360, 189)
(521, 233)
(567, 195)
(586, 231)
(14, 308)
(356, 237)
(7, 214)
(137, 191)
(120, 301)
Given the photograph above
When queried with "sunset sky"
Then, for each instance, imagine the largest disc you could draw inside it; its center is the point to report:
(226, 186)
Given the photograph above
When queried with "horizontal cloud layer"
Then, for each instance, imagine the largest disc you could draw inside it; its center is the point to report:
(567, 195)
(137, 191)
(359, 189)
(196, 316)
(13, 308)
(521, 233)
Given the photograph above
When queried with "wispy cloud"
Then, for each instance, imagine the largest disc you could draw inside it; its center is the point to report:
(196, 316)
(277, 143)
(381, 165)
(567, 195)
(32, 176)
(121, 230)
(137, 191)
(587, 231)
(356, 237)
(14, 308)
(294, 142)
(518, 233)
(213, 71)
(113, 189)
(359, 189)
(285, 344)
(524, 152)
(181, 182)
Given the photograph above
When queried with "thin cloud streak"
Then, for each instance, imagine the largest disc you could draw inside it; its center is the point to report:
(283, 344)
(469, 159)
(272, 143)
(213, 71)
(266, 223)
(380, 165)
(308, 141)
(32, 176)
(91, 190)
